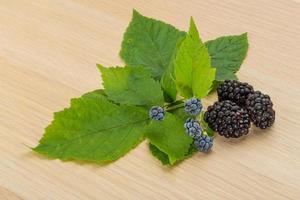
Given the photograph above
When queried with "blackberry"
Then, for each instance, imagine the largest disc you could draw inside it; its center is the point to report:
(228, 119)
(235, 91)
(260, 108)
(157, 113)
(203, 142)
(193, 106)
(192, 127)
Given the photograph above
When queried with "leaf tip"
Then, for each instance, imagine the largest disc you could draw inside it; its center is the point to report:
(35, 149)
(245, 34)
(193, 31)
(135, 13)
(100, 67)
(192, 22)
(192, 25)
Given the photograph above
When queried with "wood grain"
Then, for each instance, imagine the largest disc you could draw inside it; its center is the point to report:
(48, 52)
(8, 195)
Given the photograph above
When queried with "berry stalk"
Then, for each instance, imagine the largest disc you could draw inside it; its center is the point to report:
(174, 107)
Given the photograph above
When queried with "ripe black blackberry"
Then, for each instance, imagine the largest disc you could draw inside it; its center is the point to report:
(260, 108)
(228, 119)
(235, 91)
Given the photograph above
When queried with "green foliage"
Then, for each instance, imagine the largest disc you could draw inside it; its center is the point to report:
(194, 75)
(227, 54)
(93, 129)
(152, 44)
(164, 158)
(149, 43)
(169, 137)
(131, 86)
(168, 80)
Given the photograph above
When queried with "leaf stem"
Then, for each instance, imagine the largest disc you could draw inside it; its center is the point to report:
(181, 105)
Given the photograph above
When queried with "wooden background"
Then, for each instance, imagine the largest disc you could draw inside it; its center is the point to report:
(48, 52)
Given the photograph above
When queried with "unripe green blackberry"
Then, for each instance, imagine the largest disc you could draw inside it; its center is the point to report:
(228, 119)
(234, 91)
(260, 108)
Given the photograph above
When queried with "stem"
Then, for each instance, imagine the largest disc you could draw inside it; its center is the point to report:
(175, 107)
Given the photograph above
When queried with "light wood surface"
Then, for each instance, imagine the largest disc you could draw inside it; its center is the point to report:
(48, 52)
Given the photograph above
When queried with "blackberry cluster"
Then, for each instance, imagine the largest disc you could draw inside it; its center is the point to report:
(157, 113)
(203, 142)
(258, 105)
(228, 119)
(234, 91)
(193, 106)
(192, 127)
(260, 108)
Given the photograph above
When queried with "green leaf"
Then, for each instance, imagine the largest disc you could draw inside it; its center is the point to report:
(131, 86)
(193, 71)
(179, 112)
(95, 94)
(181, 115)
(169, 137)
(227, 54)
(164, 158)
(168, 81)
(168, 84)
(149, 43)
(93, 129)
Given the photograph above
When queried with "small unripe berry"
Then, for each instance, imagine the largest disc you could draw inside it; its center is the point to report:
(203, 143)
(157, 113)
(192, 127)
(193, 106)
